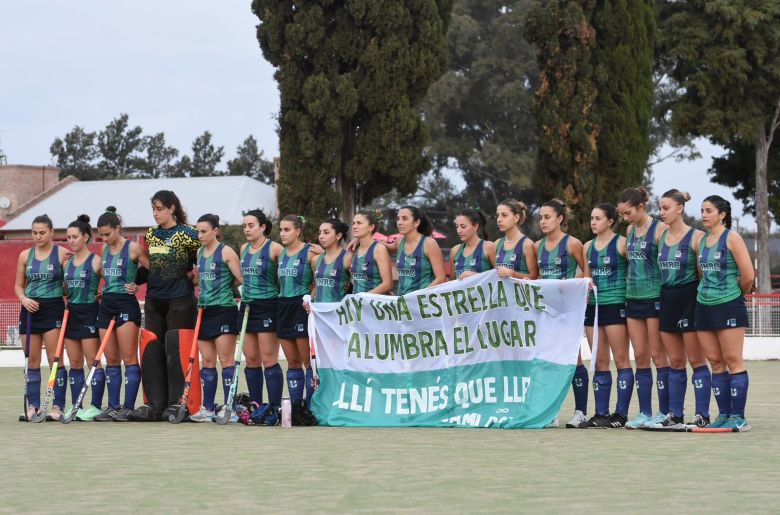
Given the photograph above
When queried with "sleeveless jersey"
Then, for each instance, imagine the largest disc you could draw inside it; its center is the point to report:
(556, 263)
(414, 270)
(719, 280)
(330, 279)
(365, 272)
(294, 273)
(44, 277)
(513, 259)
(608, 271)
(476, 262)
(677, 262)
(118, 269)
(259, 273)
(644, 276)
(82, 281)
(215, 278)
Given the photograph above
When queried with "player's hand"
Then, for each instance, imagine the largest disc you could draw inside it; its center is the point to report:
(468, 273)
(504, 271)
(353, 245)
(30, 305)
(131, 288)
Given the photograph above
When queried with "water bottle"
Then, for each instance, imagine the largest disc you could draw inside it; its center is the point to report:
(286, 413)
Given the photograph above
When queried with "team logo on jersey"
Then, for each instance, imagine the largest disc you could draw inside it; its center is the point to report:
(412, 261)
(407, 272)
(642, 244)
(50, 268)
(717, 254)
(731, 322)
(119, 262)
(83, 273)
(607, 260)
(124, 316)
(512, 256)
(678, 254)
(365, 266)
(296, 262)
(473, 262)
(333, 272)
(557, 261)
(225, 329)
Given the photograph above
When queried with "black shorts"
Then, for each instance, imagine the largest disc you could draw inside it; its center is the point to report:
(678, 308)
(722, 316)
(82, 321)
(163, 315)
(262, 315)
(218, 320)
(643, 309)
(122, 306)
(292, 321)
(609, 314)
(48, 316)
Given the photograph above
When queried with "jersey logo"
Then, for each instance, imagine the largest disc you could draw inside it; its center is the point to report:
(607, 260)
(512, 256)
(717, 254)
(50, 268)
(557, 261)
(682, 323)
(296, 262)
(333, 272)
(731, 322)
(642, 244)
(678, 254)
(299, 328)
(407, 272)
(412, 261)
(213, 266)
(119, 262)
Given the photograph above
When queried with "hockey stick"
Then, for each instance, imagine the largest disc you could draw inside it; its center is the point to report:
(41, 415)
(26, 360)
(70, 415)
(224, 417)
(693, 429)
(181, 411)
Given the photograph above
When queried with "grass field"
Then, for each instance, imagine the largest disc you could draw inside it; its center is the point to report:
(133, 467)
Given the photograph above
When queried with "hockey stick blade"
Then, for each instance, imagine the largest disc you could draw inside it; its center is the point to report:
(24, 418)
(224, 417)
(181, 414)
(39, 417)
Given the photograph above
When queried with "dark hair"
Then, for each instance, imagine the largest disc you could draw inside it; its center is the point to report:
(109, 218)
(559, 206)
(681, 197)
(338, 226)
(476, 217)
(723, 206)
(213, 220)
(43, 219)
(169, 199)
(296, 220)
(609, 210)
(516, 207)
(82, 224)
(372, 217)
(426, 226)
(634, 196)
(262, 220)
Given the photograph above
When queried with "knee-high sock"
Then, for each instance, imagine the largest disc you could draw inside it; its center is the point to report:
(678, 382)
(602, 388)
(579, 385)
(739, 390)
(208, 377)
(132, 383)
(295, 384)
(254, 382)
(662, 384)
(114, 384)
(227, 379)
(702, 389)
(76, 381)
(34, 387)
(625, 389)
(98, 385)
(644, 390)
(60, 387)
(721, 389)
(275, 381)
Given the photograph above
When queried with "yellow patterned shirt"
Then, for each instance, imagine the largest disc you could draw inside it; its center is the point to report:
(171, 254)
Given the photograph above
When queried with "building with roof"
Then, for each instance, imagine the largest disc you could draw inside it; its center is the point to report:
(23, 184)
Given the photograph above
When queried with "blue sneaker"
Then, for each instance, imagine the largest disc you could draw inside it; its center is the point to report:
(738, 423)
(638, 422)
(719, 421)
(656, 420)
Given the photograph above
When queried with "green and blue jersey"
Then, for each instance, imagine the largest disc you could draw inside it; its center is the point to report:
(259, 274)
(330, 279)
(720, 275)
(294, 272)
(514, 258)
(644, 275)
(364, 271)
(677, 262)
(118, 269)
(608, 271)
(415, 271)
(215, 279)
(82, 281)
(43, 276)
(556, 263)
(476, 262)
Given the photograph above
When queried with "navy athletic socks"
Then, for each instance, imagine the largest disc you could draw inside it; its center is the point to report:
(702, 389)
(295, 380)
(662, 383)
(60, 387)
(739, 390)
(34, 386)
(602, 387)
(309, 385)
(721, 386)
(579, 385)
(275, 382)
(227, 380)
(76, 383)
(677, 384)
(625, 389)
(644, 390)
(208, 376)
(132, 382)
(114, 383)
(254, 381)
(98, 385)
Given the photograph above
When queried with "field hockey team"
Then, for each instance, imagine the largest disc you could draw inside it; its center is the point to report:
(669, 292)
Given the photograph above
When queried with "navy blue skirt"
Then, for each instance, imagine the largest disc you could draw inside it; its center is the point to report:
(609, 314)
(293, 321)
(678, 308)
(82, 321)
(48, 316)
(728, 315)
(263, 315)
(218, 320)
(124, 308)
(643, 309)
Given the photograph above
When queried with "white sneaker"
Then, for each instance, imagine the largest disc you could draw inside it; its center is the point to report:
(554, 423)
(577, 419)
(203, 415)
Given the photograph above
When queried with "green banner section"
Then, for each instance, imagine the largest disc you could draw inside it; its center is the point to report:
(504, 394)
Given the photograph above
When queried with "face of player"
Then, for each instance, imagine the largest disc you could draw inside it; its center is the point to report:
(162, 215)
(670, 210)
(288, 233)
(599, 222)
(41, 234)
(328, 237)
(465, 228)
(207, 234)
(631, 214)
(76, 240)
(505, 218)
(109, 235)
(406, 222)
(252, 228)
(361, 226)
(710, 216)
(549, 220)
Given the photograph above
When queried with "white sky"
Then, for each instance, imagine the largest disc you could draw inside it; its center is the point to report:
(178, 67)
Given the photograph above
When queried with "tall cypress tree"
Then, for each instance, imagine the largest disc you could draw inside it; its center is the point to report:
(351, 76)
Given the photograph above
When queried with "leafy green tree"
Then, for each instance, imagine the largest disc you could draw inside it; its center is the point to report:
(120, 147)
(182, 167)
(205, 157)
(726, 57)
(76, 154)
(351, 77)
(159, 158)
(249, 161)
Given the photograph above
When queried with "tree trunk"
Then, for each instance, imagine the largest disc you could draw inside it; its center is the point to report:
(763, 219)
